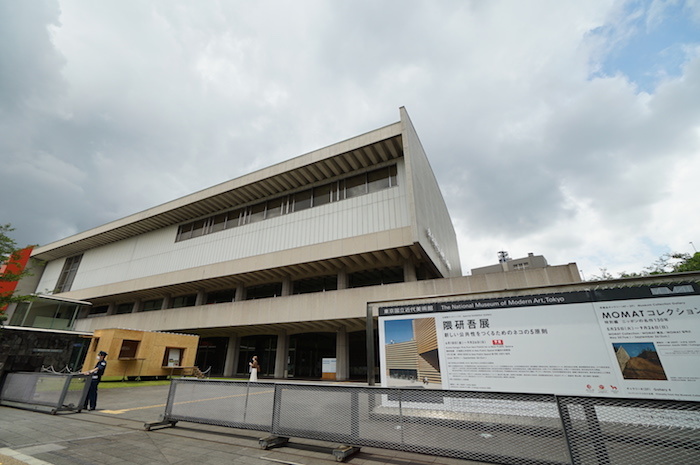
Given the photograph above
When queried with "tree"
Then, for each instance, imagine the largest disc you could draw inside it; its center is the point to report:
(669, 263)
(11, 271)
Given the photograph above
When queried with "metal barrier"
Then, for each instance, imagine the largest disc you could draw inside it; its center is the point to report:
(631, 431)
(521, 429)
(54, 392)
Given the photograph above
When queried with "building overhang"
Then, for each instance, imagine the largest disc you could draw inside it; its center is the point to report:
(363, 152)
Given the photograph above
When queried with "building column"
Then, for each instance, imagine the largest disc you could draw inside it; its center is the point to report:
(166, 302)
(201, 298)
(240, 293)
(281, 355)
(409, 271)
(287, 286)
(232, 352)
(342, 354)
(343, 280)
(111, 308)
(137, 306)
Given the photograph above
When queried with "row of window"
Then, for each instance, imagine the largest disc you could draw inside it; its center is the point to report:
(302, 286)
(354, 186)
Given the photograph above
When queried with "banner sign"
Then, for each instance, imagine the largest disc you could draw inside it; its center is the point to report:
(641, 342)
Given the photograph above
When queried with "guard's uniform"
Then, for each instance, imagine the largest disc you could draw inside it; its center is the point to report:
(91, 399)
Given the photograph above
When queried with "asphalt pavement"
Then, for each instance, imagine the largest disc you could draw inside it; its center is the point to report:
(115, 434)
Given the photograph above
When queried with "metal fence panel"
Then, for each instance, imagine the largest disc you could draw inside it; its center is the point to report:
(504, 428)
(56, 391)
(508, 429)
(631, 431)
(224, 403)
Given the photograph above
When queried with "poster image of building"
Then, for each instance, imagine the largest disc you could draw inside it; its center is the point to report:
(411, 353)
(639, 360)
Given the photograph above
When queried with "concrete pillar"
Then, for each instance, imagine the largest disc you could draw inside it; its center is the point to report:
(342, 354)
(287, 286)
(232, 351)
(281, 355)
(111, 308)
(409, 271)
(343, 280)
(240, 293)
(166, 302)
(137, 306)
(201, 298)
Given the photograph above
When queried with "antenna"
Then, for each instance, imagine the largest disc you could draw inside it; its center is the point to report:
(503, 256)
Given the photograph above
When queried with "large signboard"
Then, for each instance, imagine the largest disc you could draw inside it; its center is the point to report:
(641, 342)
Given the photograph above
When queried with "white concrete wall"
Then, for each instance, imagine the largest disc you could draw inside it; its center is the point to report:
(429, 208)
(157, 252)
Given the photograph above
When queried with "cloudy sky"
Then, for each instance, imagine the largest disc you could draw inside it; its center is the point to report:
(569, 129)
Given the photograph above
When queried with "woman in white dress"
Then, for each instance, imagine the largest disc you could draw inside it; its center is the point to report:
(254, 367)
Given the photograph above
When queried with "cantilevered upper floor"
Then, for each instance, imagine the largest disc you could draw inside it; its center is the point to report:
(367, 210)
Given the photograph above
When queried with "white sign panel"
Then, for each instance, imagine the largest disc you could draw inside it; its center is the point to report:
(612, 344)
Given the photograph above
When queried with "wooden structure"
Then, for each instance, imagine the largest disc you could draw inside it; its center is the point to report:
(134, 354)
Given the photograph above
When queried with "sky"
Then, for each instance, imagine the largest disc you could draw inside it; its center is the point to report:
(566, 129)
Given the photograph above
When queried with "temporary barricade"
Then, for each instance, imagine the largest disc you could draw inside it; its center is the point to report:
(522, 429)
(52, 392)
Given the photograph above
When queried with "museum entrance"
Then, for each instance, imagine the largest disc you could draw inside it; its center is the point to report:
(265, 347)
(306, 354)
(211, 353)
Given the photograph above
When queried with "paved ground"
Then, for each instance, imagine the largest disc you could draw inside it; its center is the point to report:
(114, 434)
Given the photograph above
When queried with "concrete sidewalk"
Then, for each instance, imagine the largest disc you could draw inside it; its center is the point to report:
(114, 434)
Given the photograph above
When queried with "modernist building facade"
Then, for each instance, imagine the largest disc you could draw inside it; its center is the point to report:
(281, 262)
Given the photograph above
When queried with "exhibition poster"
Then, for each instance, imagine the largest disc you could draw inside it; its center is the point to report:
(641, 342)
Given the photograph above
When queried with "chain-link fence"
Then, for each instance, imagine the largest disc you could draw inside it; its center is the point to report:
(631, 432)
(482, 426)
(45, 391)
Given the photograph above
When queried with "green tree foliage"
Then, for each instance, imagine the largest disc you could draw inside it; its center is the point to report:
(669, 263)
(9, 253)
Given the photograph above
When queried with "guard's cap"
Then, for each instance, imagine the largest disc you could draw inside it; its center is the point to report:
(102, 352)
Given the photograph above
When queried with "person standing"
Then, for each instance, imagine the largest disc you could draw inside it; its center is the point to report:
(95, 378)
(254, 367)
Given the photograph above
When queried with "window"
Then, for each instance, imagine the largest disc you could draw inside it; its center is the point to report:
(150, 305)
(70, 269)
(234, 218)
(322, 194)
(198, 228)
(173, 356)
(184, 301)
(128, 349)
(256, 213)
(317, 284)
(302, 200)
(376, 277)
(124, 308)
(218, 223)
(355, 186)
(381, 178)
(263, 291)
(184, 232)
(372, 181)
(99, 310)
(276, 207)
(221, 296)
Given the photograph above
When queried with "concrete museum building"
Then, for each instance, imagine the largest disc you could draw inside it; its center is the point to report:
(281, 262)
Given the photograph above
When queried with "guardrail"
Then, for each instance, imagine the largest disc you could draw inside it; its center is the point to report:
(521, 429)
(52, 392)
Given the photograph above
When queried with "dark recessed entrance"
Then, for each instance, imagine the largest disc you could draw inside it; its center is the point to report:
(306, 354)
(212, 353)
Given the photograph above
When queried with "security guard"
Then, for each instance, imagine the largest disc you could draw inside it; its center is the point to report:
(96, 376)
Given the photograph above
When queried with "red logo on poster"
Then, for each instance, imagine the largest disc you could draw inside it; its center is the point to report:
(497, 342)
